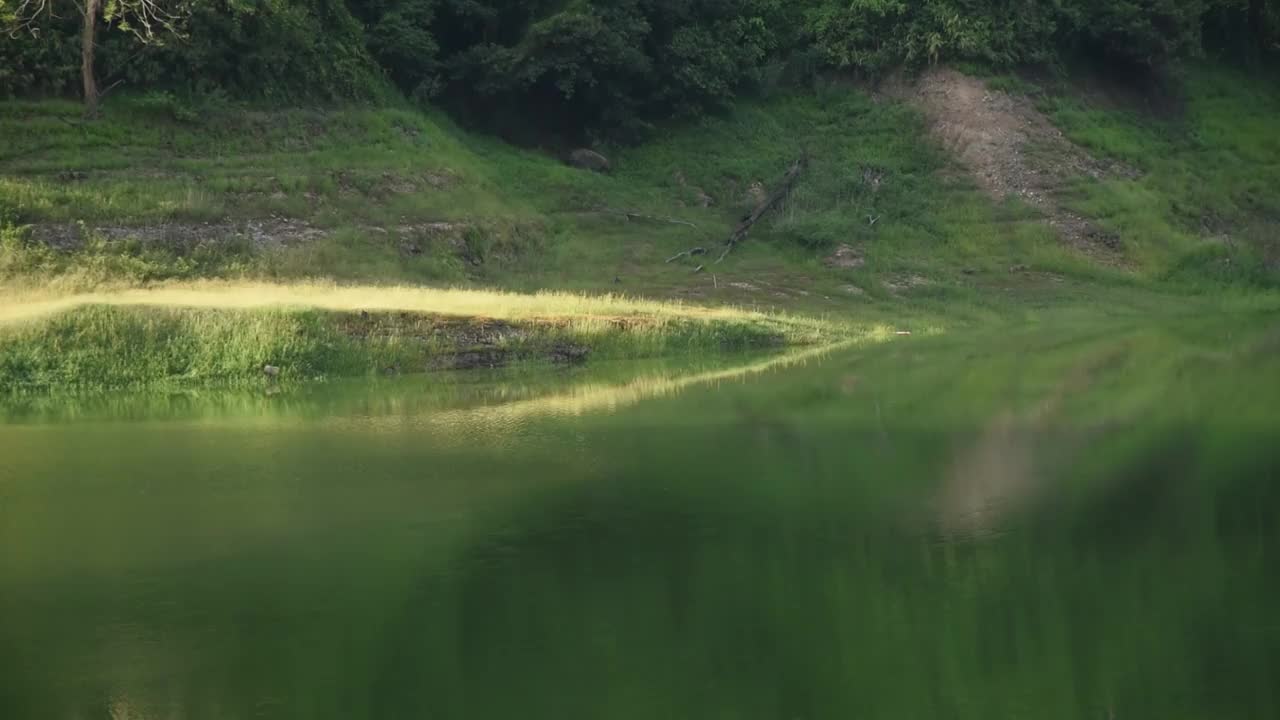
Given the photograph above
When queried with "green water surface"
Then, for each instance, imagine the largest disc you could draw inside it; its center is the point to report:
(1022, 524)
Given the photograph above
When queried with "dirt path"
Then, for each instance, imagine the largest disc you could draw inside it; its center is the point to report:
(1012, 150)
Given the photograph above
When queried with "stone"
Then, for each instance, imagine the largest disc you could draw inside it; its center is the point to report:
(585, 159)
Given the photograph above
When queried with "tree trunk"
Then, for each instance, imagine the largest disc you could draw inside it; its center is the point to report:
(87, 48)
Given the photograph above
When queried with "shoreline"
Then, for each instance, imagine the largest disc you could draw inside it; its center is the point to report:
(228, 334)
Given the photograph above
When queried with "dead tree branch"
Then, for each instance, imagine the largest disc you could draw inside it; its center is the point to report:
(781, 191)
(687, 253)
(107, 90)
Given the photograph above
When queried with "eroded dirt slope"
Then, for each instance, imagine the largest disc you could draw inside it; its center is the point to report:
(1012, 150)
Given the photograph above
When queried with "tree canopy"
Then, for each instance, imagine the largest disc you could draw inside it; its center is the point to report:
(582, 66)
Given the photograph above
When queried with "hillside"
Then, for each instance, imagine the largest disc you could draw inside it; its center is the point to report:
(946, 197)
(396, 195)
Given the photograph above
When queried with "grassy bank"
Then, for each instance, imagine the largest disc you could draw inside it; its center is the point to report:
(228, 333)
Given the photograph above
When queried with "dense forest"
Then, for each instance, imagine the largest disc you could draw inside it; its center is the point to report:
(582, 67)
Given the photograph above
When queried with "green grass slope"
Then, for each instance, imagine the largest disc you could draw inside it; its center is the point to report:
(1206, 208)
(882, 226)
(392, 194)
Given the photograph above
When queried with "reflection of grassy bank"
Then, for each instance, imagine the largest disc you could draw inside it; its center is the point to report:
(227, 333)
(448, 403)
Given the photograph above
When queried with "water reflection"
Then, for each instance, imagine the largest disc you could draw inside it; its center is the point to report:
(999, 472)
(466, 396)
(595, 397)
(1022, 525)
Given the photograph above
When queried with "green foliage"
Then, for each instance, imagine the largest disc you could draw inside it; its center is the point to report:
(873, 36)
(588, 65)
(570, 72)
(401, 40)
(43, 61)
(1149, 32)
(263, 49)
(604, 64)
(877, 35)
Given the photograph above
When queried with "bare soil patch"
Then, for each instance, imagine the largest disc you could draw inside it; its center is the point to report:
(262, 233)
(905, 283)
(1012, 150)
(845, 256)
(257, 233)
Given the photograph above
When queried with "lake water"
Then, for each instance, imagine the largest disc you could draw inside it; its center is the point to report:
(1023, 524)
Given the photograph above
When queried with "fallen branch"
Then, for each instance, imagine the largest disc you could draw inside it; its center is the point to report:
(107, 91)
(690, 253)
(740, 232)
